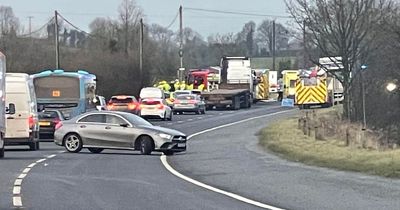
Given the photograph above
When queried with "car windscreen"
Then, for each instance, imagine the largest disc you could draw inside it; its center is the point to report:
(122, 100)
(135, 120)
(56, 87)
(150, 102)
(186, 97)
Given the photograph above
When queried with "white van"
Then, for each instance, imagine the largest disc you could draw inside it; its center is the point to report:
(22, 127)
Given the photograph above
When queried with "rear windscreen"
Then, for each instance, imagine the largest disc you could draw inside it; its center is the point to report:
(48, 115)
(185, 97)
(151, 102)
(123, 101)
(56, 87)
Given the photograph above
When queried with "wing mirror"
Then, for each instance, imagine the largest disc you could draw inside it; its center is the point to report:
(10, 109)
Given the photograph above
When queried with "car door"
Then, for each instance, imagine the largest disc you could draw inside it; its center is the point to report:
(90, 127)
(117, 132)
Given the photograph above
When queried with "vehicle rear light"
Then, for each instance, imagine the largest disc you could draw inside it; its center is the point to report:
(110, 106)
(58, 125)
(160, 106)
(55, 121)
(31, 121)
(177, 102)
(131, 106)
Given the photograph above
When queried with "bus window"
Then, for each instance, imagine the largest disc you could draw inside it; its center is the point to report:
(57, 87)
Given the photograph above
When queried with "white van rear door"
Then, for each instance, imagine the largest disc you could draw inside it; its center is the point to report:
(18, 123)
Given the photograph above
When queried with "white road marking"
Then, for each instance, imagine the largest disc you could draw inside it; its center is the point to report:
(18, 182)
(199, 118)
(26, 170)
(221, 113)
(31, 165)
(17, 190)
(169, 123)
(41, 160)
(50, 156)
(17, 199)
(190, 120)
(164, 161)
(21, 176)
(180, 122)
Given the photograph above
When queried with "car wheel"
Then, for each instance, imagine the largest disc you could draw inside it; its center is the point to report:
(73, 143)
(146, 146)
(168, 153)
(2, 152)
(32, 146)
(95, 150)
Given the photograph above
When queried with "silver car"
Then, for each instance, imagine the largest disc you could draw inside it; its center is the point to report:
(117, 130)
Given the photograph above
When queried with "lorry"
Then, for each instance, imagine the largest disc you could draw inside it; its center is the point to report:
(236, 88)
(332, 66)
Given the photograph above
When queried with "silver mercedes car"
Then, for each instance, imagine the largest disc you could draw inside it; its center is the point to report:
(101, 130)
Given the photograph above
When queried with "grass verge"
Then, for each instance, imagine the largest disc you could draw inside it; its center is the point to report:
(285, 139)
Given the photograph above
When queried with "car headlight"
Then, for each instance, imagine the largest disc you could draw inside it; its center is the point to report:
(165, 136)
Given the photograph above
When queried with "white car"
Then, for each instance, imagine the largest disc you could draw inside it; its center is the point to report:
(155, 108)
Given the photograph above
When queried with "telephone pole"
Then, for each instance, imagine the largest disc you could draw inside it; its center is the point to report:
(181, 69)
(56, 39)
(141, 53)
(30, 26)
(273, 45)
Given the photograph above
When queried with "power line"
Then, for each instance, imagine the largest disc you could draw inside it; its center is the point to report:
(37, 30)
(236, 13)
(173, 20)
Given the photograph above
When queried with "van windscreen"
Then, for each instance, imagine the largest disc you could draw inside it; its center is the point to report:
(56, 87)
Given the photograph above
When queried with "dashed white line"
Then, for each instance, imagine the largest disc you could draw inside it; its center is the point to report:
(199, 118)
(214, 189)
(17, 199)
(180, 122)
(26, 170)
(190, 120)
(21, 176)
(17, 190)
(18, 182)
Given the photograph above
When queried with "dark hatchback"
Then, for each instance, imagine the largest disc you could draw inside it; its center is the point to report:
(48, 120)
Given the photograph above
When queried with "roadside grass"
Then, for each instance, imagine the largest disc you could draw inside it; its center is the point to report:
(286, 140)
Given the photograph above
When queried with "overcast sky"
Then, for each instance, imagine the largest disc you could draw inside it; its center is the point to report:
(82, 12)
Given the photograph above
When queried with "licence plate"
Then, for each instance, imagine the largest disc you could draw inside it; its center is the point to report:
(44, 123)
(181, 144)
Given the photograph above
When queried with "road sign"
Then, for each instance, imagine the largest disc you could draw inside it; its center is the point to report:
(287, 102)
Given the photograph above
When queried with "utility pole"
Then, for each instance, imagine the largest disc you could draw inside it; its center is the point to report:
(181, 69)
(273, 45)
(30, 26)
(304, 45)
(56, 39)
(141, 53)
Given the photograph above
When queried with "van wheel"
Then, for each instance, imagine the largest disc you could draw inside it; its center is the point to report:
(73, 143)
(2, 152)
(32, 146)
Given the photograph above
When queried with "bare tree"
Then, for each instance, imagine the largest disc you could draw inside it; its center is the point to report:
(340, 28)
(8, 22)
(264, 35)
(129, 15)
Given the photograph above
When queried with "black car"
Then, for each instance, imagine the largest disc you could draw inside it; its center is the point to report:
(48, 119)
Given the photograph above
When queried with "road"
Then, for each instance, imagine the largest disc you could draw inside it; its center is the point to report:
(227, 158)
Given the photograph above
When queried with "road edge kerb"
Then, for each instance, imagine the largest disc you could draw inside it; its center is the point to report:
(164, 161)
(17, 187)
